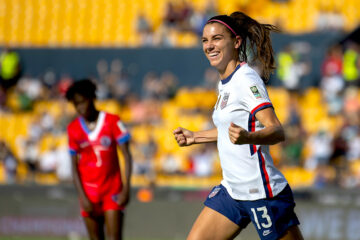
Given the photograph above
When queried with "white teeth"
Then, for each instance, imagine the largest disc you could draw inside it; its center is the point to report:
(213, 54)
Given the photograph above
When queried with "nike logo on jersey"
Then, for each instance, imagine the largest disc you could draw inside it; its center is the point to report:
(266, 232)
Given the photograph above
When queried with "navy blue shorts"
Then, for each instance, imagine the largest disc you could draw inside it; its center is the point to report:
(271, 217)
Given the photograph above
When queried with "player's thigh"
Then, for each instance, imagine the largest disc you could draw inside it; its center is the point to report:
(95, 227)
(211, 225)
(293, 233)
(114, 223)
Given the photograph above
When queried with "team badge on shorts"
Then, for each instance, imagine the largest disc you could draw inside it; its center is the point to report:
(224, 100)
(255, 91)
(115, 197)
(214, 192)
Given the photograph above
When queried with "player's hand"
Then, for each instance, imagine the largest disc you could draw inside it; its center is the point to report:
(86, 205)
(184, 137)
(238, 135)
(123, 197)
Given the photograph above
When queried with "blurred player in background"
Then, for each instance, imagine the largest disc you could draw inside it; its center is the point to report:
(252, 189)
(93, 140)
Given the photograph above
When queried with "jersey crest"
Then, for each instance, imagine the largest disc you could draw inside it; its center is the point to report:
(105, 141)
(224, 100)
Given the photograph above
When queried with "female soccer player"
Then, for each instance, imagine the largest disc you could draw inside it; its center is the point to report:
(93, 140)
(252, 188)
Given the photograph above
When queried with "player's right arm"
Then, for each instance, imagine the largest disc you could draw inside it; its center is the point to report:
(74, 149)
(186, 137)
(85, 202)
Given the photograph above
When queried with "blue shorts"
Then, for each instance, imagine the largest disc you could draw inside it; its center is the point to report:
(271, 217)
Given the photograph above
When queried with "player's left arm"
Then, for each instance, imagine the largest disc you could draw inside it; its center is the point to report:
(272, 133)
(122, 137)
(125, 193)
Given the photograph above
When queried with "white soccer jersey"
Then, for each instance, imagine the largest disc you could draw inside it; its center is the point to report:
(248, 170)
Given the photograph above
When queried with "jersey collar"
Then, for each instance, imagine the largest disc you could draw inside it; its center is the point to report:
(226, 80)
(99, 123)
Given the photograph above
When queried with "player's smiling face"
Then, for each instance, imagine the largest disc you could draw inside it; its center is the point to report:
(219, 46)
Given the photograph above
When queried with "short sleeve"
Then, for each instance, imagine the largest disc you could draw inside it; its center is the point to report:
(73, 145)
(254, 96)
(121, 134)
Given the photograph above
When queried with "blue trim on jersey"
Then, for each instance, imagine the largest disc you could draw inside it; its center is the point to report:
(252, 121)
(83, 125)
(72, 152)
(123, 139)
(265, 183)
(226, 80)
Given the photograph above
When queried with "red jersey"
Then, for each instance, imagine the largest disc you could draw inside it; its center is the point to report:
(97, 149)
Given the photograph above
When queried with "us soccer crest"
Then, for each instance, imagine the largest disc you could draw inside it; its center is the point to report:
(224, 100)
(214, 192)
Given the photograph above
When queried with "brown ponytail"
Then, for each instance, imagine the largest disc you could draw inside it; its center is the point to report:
(259, 39)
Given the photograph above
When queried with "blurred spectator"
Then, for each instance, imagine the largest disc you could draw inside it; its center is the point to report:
(332, 64)
(171, 15)
(151, 86)
(3, 106)
(9, 161)
(295, 136)
(211, 78)
(171, 164)
(338, 156)
(351, 103)
(48, 160)
(332, 84)
(56, 160)
(64, 119)
(330, 20)
(352, 137)
(118, 81)
(35, 130)
(320, 145)
(144, 159)
(10, 69)
(292, 65)
(63, 165)
(31, 87)
(63, 84)
(47, 122)
(145, 31)
(202, 160)
(198, 18)
(351, 64)
(167, 86)
(31, 159)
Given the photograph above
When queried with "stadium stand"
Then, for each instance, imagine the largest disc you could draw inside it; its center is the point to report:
(114, 23)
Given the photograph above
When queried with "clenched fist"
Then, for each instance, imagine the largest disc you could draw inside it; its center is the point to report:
(184, 137)
(238, 135)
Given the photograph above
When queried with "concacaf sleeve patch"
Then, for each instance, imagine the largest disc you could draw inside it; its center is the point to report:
(255, 91)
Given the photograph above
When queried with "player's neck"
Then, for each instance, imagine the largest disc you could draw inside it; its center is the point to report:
(93, 116)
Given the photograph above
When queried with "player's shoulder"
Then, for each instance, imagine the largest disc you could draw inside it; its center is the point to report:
(74, 124)
(111, 117)
(247, 75)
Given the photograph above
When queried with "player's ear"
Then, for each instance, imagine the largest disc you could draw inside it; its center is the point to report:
(238, 41)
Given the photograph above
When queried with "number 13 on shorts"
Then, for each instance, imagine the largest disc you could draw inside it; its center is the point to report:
(262, 214)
